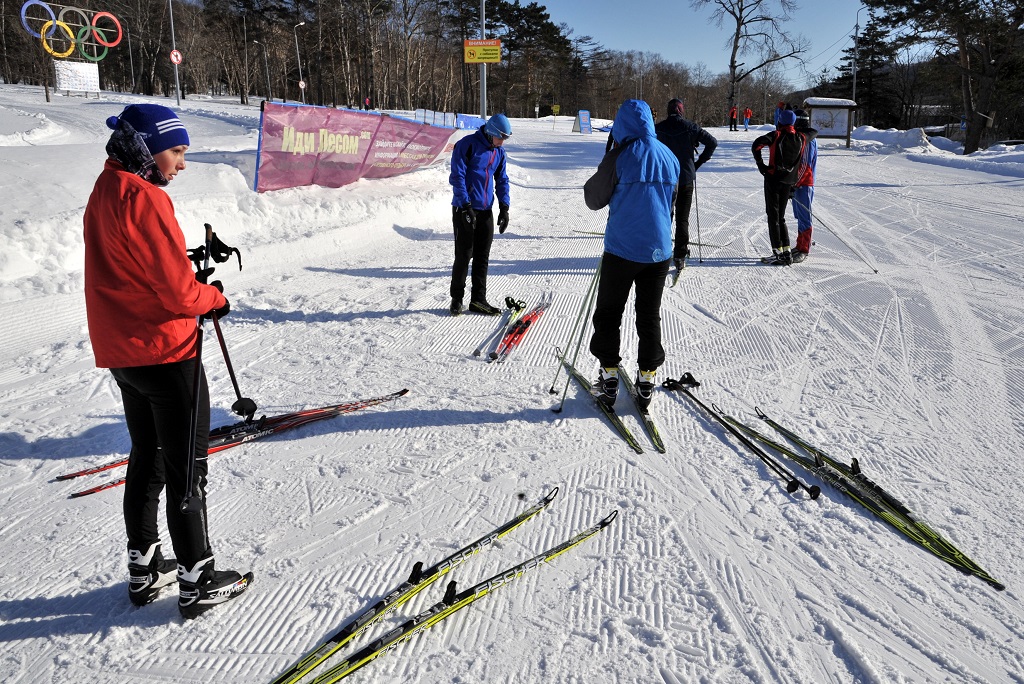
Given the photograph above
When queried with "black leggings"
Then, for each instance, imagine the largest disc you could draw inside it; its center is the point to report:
(472, 244)
(618, 276)
(158, 410)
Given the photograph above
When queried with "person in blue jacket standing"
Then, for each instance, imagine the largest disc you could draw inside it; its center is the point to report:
(478, 173)
(637, 181)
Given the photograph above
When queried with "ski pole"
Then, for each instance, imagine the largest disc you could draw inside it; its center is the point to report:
(579, 317)
(817, 220)
(792, 483)
(243, 406)
(696, 215)
(194, 504)
(589, 306)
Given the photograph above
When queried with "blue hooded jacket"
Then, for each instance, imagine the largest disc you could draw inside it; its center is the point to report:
(478, 170)
(637, 182)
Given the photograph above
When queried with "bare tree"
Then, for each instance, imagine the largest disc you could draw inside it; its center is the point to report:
(757, 31)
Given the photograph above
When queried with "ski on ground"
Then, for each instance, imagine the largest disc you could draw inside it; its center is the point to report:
(892, 510)
(517, 331)
(452, 603)
(609, 413)
(685, 383)
(645, 415)
(419, 580)
(513, 310)
(228, 436)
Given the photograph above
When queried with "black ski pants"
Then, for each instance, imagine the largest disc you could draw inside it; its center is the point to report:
(472, 243)
(158, 409)
(684, 200)
(776, 199)
(617, 278)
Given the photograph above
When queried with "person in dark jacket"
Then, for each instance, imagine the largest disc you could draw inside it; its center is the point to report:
(785, 154)
(478, 173)
(803, 192)
(636, 180)
(683, 137)
(142, 300)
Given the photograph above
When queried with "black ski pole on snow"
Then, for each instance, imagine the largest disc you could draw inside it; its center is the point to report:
(687, 381)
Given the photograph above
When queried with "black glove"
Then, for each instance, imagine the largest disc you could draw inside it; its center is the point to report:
(220, 313)
(217, 284)
(697, 164)
(468, 216)
(204, 273)
(762, 169)
(502, 217)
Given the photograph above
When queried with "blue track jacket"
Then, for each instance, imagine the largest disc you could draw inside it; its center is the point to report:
(637, 182)
(478, 169)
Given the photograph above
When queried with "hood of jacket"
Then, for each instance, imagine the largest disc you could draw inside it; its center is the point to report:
(633, 120)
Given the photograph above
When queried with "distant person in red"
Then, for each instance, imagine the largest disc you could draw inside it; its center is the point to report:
(733, 126)
(747, 113)
(366, 104)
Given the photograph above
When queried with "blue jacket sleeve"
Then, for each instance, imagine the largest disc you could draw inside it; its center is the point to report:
(501, 181)
(457, 178)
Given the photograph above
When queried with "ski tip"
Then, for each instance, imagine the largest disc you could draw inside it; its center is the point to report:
(610, 517)
(551, 495)
(403, 392)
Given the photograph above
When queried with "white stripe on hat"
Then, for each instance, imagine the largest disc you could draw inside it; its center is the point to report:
(168, 125)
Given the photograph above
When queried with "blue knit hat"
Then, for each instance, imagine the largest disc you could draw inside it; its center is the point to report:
(787, 117)
(160, 128)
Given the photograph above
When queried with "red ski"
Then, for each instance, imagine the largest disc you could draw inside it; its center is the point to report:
(228, 436)
(516, 333)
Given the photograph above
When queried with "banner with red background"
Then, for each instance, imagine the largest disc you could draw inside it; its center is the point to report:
(302, 145)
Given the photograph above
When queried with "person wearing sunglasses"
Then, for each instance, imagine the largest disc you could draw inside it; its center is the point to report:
(478, 174)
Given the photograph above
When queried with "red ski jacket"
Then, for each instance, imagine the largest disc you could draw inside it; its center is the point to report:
(141, 295)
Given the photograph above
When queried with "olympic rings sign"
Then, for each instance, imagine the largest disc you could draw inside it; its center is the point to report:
(89, 33)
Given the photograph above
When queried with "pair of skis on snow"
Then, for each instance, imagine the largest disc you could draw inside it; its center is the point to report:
(229, 436)
(515, 323)
(846, 478)
(614, 418)
(420, 579)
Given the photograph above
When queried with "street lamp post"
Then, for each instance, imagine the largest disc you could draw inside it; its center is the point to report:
(856, 45)
(131, 62)
(295, 30)
(174, 48)
(266, 65)
(483, 65)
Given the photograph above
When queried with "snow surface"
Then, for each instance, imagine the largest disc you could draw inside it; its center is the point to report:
(711, 573)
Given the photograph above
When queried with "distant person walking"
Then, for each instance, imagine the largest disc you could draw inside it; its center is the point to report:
(732, 119)
(747, 113)
(636, 181)
(803, 193)
(478, 173)
(141, 301)
(779, 108)
(785, 154)
(684, 137)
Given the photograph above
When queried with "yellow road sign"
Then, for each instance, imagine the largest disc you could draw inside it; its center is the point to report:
(477, 51)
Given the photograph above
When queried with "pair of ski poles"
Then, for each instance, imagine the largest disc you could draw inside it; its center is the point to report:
(243, 406)
(579, 327)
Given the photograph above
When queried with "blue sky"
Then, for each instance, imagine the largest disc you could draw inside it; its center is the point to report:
(679, 34)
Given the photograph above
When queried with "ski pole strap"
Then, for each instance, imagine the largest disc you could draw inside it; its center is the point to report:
(685, 381)
(514, 304)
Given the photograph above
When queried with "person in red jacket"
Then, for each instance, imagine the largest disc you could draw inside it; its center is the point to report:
(142, 300)
(747, 113)
(732, 119)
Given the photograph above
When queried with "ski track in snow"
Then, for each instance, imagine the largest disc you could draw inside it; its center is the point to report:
(712, 572)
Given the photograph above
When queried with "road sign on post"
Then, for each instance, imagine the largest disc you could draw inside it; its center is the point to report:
(175, 57)
(481, 51)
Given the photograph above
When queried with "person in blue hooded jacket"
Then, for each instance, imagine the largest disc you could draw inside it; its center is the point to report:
(478, 173)
(637, 181)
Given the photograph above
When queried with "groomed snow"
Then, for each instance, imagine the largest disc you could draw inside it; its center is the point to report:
(711, 573)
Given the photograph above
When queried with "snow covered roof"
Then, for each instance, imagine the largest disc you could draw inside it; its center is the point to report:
(828, 102)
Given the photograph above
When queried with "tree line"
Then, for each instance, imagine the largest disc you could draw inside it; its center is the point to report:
(917, 61)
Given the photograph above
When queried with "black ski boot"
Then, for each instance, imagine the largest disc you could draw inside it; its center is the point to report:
(606, 389)
(201, 587)
(148, 573)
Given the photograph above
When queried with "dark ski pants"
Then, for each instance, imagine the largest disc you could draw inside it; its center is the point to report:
(158, 410)
(617, 277)
(803, 195)
(472, 244)
(684, 200)
(776, 198)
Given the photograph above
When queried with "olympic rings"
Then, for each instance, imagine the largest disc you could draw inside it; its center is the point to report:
(89, 32)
